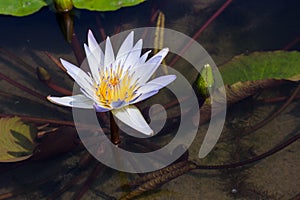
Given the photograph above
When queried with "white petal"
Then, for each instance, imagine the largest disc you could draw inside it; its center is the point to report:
(125, 47)
(145, 71)
(133, 56)
(77, 101)
(109, 56)
(93, 63)
(117, 104)
(144, 58)
(131, 116)
(152, 87)
(95, 48)
(81, 78)
(144, 96)
(162, 53)
(161, 81)
(99, 108)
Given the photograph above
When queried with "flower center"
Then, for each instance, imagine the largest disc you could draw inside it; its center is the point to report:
(115, 85)
(114, 81)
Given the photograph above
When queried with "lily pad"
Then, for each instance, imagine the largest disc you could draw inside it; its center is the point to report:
(27, 7)
(16, 139)
(105, 5)
(20, 7)
(262, 65)
(245, 75)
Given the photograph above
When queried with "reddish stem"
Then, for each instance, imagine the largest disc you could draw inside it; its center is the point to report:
(22, 87)
(154, 16)
(15, 58)
(101, 29)
(114, 130)
(78, 51)
(198, 33)
(276, 99)
(53, 121)
(39, 120)
(56, 61)
(58, 88)
(117, 30)
(293, 43)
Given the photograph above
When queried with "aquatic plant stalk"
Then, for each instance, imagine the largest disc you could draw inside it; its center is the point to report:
(45, 77)
(276, 99)
(114, 130)
(276, 113)
(156, 179)
(22, 87)
(78, 51)
(293, 43)
(56, 61)
(160, 180)
(198, 33)
(256, 158)
(57, 88)
(15, 58)
(53, 121)
(101, 29)
(40, 120)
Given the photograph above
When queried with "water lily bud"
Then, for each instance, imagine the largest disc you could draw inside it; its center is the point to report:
(204, 83)
(63, 5)
(43, 74)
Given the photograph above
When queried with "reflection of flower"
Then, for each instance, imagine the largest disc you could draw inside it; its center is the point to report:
(116, 83)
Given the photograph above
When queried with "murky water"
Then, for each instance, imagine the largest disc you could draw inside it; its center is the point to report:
(241, 28)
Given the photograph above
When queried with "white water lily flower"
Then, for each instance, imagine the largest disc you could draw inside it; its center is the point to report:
(114, 84)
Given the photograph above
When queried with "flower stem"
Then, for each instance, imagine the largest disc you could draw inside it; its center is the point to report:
(114, 130)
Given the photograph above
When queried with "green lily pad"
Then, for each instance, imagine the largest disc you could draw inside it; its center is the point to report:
(27, 7)
(245, 75)
(20, 7)
(105, 5)
(262, 65)
(16, 139)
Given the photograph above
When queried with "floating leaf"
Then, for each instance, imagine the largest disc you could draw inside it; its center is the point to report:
(21, 7)
(262, 65)
(27, 7)
(245, 75)
(105, 5)
(16, 140)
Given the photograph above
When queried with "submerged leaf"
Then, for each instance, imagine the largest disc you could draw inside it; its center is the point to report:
(16, 140)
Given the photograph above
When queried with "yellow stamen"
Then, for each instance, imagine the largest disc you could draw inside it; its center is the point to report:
(115, 85)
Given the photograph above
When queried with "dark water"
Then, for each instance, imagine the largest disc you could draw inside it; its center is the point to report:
(244, 26)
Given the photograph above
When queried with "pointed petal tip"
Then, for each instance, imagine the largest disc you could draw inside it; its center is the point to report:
(149, 132)
(54, 100)
(172, 77)
(48, 97)
(65, 63)
(166, 49)
(90, 34)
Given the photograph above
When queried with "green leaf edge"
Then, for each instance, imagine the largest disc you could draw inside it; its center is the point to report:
(256, 66)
